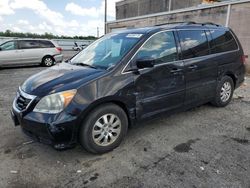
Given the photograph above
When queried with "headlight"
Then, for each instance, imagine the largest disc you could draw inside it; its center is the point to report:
(55, 103)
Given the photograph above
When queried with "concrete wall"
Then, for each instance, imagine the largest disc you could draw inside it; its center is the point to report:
(239, 20)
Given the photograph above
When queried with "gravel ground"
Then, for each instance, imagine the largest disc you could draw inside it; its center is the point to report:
(202, 147)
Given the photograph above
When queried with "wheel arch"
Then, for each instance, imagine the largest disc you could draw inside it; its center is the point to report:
(108, 100)
(232, 75)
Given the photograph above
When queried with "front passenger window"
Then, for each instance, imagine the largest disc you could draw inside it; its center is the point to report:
(8, 46)
(161, 47)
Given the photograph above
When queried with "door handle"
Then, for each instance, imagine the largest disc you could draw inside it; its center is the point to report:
(175, 71)
(193, 67)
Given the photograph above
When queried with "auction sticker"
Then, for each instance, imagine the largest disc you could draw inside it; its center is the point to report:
(134, 36)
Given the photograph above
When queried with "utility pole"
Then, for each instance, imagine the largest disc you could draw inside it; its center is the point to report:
(97, 32)
(105, 18)
(169, 5)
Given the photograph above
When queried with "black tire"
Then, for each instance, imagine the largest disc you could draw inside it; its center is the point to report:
(218, 102)
(88, 127)
(48, 61)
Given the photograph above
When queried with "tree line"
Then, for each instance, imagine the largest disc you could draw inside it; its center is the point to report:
(9, 33)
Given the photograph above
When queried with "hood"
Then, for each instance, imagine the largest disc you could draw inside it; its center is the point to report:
(58, 78)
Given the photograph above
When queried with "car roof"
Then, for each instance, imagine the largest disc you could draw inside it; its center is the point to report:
(180, 25)
(32, 39)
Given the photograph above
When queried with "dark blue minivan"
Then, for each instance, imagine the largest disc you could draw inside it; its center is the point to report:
(128, 76)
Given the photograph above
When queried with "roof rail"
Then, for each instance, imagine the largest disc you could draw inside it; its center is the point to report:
(186, 23)
(189, 23)
(210, 23)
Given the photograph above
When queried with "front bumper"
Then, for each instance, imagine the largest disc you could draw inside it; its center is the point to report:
(58, 130)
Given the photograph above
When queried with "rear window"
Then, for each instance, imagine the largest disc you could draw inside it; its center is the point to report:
(46, 44)
(222, 41)
(194, 43)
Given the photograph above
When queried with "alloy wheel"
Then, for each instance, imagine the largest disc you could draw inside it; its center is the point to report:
(106, 130)
(48, 62)
(226, 91)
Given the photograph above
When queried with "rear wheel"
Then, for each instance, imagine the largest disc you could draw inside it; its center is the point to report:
(48, 61)
(103, 129)
(224, 92)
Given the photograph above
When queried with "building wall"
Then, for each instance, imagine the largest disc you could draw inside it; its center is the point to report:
(239, 21)
(179, 4)
(132, 8)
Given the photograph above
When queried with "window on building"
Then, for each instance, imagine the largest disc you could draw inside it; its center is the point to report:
(194, 43)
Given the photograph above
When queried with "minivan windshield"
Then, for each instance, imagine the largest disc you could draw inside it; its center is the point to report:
(106, 52)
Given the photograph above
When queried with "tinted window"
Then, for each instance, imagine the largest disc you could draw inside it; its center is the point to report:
(8, 46)
(193, 43)
(160, 47)
(28, 44)
(46, 44)
(222, 41)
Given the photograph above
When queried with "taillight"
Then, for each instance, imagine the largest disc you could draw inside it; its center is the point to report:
(59, 49)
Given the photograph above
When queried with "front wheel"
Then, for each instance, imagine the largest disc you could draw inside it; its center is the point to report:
(103, 129)
(224, 92)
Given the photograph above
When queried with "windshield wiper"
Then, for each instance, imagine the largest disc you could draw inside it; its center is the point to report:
(86, 65)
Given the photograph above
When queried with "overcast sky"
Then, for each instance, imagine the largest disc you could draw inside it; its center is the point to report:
(61, 17)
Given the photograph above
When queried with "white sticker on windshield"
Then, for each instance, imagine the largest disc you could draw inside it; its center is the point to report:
(134, 36)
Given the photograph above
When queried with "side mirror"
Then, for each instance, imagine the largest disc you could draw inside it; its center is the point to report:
(145, 63)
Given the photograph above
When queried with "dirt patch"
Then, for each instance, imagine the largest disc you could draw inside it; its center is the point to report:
(241, 141)
(89, 163)
(26, 154)
(185, 147)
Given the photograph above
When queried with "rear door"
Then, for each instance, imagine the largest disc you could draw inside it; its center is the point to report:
(161, 88)
(30, 51)
(9, 53)
(201, 70)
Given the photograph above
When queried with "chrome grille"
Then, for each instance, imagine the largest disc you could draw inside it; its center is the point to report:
(22, 100)
(22, 103)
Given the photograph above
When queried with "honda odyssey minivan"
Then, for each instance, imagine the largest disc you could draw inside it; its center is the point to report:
(128, 76)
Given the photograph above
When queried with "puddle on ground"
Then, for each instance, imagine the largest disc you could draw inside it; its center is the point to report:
(185, 147)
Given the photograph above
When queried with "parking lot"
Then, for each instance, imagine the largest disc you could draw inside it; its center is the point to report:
(202, 147)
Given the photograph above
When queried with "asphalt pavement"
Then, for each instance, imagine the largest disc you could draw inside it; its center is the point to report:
(203, 147)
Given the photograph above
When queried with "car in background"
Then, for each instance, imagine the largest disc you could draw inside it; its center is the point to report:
(30, 51)
(79, 47)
